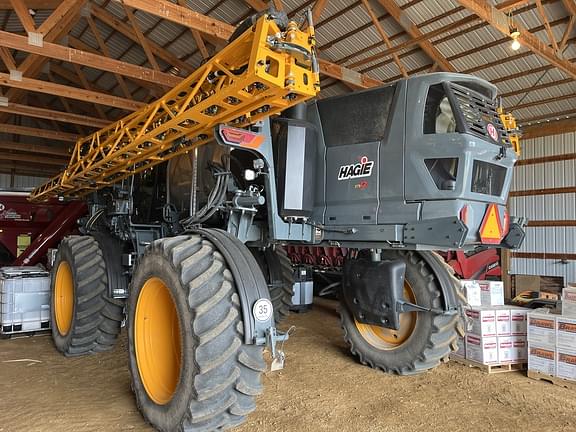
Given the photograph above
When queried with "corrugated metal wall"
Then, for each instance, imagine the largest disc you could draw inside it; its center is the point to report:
(547, 208)
(19, 182)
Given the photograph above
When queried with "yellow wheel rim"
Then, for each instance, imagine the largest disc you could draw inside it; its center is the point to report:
(390, 339)
(157, 341)
(64, 298)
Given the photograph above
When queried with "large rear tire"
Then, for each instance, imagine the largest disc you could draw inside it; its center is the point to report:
(279, 275)
(84, 319)
(424, 339)
(190, 367)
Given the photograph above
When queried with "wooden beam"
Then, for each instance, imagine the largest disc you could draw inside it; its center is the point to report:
(35, 169)
(121, 27)
(198, 37)
(254, 4)
(19, 6)
(570, 6)
(32, 4)
(84, 58)
(33, 159)
(143, 41)
(545, 255)
(552, 223)
(50, 88)
(549, 128)
(7, 58)
(546, 159)
(567, 33)
(60, 151)
(500, 22)
(41, 133)
(183, 16)
(347, 75)
(56, 25)
(542, 14)
(539, 118)
(32, 111)
(104, 48)
(406, 23)
(317, 9)
(384, 37)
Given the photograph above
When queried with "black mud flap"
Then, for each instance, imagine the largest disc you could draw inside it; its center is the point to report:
(374, 291)
(515, 237)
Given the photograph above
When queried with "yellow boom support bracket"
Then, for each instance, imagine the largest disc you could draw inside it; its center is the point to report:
(509, 123)
(261, 73)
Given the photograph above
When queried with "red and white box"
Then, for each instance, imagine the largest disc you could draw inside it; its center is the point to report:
(569, 301)
(471, 290)
(542, 359)
(482, 349)
(491, 293)
(503, 327)
(518, 321)
(542, 329)
(520, 348)
(512, 349)
(481, 322)
(566, 333)
(566, 364)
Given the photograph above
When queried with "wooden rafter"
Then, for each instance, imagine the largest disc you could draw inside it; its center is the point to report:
(567, 33)
(51, 88)
(41, 133)
(59, 52)
(32, 4)
(406, 23)
(198, 37)
(56, 25)
(500, 22)
(570, 6)
(106, 52)
(143, 41)
(7, 58)
(317, 9)
(384, 36)
(34, 148)
(254, 4)
(120, 26)
(27, 157)
(48, 114)
(19, 6)
(542, 14)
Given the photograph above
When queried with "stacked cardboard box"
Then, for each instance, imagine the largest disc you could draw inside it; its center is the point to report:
(495, 334)
(552, 342)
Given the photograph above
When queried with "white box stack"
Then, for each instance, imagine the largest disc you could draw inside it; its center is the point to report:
(491, 293)
(24, 299)
(566, 347)
(542, 342)
(569, 301)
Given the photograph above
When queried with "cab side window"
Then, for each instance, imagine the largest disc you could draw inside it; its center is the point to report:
(438, 115)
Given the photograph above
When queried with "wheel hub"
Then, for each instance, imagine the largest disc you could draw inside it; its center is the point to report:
(390, 339)
(157, 341)
(64, 298)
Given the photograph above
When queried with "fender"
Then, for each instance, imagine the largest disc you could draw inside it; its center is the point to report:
(446, 280)
(112, 250)
(248, 277)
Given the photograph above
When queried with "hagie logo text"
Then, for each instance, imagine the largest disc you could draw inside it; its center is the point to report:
(357, 170)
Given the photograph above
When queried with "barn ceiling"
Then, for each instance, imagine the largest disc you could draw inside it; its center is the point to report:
(69, 67)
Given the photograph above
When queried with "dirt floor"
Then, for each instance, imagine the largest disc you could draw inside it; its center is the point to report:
(323, 388)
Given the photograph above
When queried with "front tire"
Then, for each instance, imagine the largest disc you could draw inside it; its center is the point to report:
(279, 275)
(84, 319)
(190, 367)
(424, 339)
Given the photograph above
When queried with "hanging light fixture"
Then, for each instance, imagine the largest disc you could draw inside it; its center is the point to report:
(514, 33)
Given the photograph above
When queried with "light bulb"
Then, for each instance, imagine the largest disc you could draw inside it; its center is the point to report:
(515, 45)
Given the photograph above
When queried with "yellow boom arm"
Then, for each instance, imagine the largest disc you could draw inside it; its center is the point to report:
(261, 73)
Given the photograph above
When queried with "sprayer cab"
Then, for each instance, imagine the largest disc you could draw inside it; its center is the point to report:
(423, 163)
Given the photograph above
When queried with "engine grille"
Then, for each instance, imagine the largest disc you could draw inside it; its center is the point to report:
(478, 111)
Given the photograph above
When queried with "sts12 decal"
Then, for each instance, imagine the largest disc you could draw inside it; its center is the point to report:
(357, 170)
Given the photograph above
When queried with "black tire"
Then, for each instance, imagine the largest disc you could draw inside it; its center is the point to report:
(95, 318)
(219, 376)
(279, 275)
(433, 336)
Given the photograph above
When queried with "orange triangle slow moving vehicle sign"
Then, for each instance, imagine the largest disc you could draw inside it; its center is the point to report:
(491, 231)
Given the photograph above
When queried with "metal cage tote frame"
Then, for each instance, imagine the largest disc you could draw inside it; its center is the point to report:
(262, 72)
